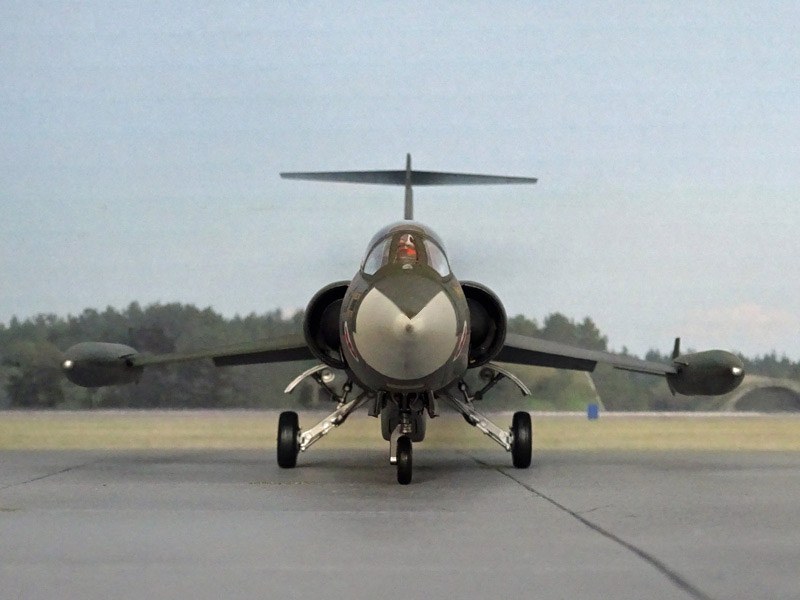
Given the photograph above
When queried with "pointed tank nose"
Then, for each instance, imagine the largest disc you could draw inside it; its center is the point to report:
(406, 327)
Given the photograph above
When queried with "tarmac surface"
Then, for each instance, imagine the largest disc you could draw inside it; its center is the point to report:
(231, 524)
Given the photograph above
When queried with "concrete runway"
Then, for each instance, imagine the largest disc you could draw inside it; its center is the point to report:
(231, 524)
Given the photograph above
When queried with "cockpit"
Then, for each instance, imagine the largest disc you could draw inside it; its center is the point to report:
(406, 248)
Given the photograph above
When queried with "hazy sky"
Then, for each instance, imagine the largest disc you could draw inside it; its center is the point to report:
(140, 145)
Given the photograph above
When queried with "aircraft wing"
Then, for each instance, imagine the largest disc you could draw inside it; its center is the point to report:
(95, 364)
(282, 349)
(525, 350)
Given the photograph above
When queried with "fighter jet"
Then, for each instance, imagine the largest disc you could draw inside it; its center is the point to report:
(405, 332)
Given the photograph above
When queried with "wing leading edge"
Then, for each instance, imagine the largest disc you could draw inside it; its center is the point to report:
(282, 349)
(525, 350)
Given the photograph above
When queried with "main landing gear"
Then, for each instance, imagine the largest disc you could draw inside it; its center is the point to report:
(291, 441)
(519, 438)
(288, 439)
(403, 419)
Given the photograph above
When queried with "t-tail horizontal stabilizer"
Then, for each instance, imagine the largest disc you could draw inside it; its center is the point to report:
(408, 178)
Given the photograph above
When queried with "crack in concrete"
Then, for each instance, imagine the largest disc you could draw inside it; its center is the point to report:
(660, 566)
(46, 475)
(590, 510)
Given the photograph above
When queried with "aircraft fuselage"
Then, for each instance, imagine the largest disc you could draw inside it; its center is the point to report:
(404, 323)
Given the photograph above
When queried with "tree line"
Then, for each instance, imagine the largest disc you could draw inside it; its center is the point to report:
(31, 353)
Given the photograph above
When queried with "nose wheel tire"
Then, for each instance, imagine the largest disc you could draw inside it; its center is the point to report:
(403, 460)
(288, 439)
(522, 443)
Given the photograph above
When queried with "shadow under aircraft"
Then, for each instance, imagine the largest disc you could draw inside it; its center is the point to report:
(405, 331)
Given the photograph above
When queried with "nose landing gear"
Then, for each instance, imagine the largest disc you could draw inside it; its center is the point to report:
(403, 419)
(403, 460)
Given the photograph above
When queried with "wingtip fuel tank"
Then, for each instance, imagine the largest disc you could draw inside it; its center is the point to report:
(709, 373)
(97, 364)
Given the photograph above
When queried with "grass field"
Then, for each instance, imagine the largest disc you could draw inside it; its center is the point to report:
(243, 429)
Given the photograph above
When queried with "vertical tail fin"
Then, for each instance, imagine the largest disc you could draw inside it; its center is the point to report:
(409, 212)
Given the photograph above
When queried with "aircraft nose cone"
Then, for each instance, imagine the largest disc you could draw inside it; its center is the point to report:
(403, 346)
(405, 328)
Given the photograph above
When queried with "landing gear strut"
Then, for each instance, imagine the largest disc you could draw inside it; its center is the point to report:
(290, 440)
(403, 422)
(519, 438)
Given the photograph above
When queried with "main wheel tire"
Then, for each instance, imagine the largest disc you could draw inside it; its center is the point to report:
(403, 460)
(522, 444)
(288, 439)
